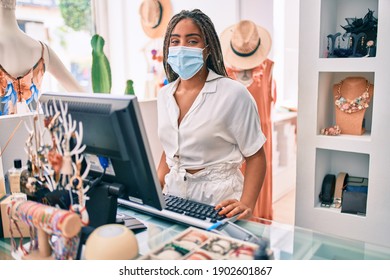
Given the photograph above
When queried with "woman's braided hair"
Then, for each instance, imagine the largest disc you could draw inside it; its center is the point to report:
(214, 60)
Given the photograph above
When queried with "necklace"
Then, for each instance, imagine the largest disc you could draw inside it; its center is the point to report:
(351, 106)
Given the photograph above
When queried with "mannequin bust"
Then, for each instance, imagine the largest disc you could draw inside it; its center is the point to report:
(19, 53)
(245, 77)
(352, 97)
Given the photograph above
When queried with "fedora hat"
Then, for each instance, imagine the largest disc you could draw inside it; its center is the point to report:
(155, 15)
(245, 45)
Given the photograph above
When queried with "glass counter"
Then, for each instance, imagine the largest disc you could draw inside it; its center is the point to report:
(287, 242)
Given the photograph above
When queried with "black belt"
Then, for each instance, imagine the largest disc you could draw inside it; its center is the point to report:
(327, 190)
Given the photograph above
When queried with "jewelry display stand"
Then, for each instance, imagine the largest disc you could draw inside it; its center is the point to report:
(351, 48)
(358, 39)
(45, 221)
(351, 90)
(331, 45)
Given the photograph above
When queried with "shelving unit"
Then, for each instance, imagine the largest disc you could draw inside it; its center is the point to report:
(364, 155)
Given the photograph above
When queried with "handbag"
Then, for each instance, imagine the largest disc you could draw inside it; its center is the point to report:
(354, 200)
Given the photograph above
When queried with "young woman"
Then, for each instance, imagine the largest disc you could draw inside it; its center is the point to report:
(208, 123)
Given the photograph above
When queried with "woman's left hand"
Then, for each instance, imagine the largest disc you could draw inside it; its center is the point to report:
(232, 207)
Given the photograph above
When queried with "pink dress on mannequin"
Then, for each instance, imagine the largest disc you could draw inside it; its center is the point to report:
(263, 90)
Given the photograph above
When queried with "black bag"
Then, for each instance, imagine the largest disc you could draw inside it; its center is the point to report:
(354, 200)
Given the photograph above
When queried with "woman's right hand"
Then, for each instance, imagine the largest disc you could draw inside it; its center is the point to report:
(233, 207)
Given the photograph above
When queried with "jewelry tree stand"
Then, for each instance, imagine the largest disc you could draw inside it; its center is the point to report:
(352, 97)
(56, 166)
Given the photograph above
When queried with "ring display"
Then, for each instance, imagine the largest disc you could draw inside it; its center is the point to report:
(197, 244)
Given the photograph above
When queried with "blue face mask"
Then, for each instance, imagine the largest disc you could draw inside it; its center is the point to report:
(185, 61)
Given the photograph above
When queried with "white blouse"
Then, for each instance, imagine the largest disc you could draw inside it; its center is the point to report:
(222, 125)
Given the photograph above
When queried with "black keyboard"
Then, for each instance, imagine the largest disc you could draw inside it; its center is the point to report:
(183, 211)
(192, 208)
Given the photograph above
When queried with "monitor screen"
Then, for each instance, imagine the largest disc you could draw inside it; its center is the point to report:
(113, 128)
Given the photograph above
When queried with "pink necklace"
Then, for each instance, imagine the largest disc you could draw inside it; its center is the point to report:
(351, 106)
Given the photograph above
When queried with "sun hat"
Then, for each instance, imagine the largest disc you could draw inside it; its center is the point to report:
(245, 45)
(155, 15)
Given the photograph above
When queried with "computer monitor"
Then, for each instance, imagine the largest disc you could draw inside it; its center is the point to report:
(113, 128)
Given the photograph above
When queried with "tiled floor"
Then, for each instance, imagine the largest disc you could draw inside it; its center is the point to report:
(284, 209)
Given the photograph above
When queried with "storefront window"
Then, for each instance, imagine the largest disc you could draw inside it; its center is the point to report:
(65, 25)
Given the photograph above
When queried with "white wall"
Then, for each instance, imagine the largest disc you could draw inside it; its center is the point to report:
(285, 47)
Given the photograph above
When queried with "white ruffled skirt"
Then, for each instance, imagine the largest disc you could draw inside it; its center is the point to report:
(210, 185)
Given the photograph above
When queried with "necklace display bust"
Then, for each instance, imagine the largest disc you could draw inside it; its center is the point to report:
(352, 97)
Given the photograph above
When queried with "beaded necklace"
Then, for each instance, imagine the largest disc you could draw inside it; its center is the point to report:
(351, 106)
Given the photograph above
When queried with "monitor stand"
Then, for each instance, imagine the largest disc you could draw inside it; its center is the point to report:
(102, 204)
(101, 207)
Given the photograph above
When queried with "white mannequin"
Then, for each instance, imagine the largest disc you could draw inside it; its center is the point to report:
(245, 77)
(19, 52)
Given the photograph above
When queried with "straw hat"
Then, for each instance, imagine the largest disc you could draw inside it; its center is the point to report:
(155, 15)
(245, 45)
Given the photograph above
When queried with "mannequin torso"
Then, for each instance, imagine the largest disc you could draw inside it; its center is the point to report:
(350, 121)
(19, 53)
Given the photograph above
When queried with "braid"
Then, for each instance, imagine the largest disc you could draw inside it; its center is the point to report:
(214, 60)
